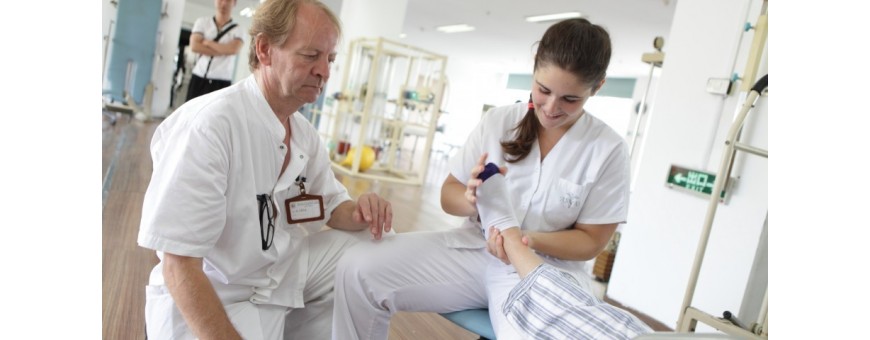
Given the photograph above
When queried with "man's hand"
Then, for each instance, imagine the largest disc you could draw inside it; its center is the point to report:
(374, 211)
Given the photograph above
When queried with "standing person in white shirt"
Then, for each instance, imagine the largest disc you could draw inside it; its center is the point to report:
(241, 190)
(566, 186)
(216, 40)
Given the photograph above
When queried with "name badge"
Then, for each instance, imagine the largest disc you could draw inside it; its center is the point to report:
(304, 208)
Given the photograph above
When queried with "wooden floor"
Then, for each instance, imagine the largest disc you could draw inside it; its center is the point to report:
(126, 266)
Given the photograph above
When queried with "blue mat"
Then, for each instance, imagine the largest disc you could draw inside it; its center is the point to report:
(474, 320)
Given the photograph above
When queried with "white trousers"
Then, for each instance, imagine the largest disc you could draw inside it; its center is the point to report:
(255, 321)
(417, 272)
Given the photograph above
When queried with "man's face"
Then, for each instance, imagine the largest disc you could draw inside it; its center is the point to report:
(224, 6)
(300, 67)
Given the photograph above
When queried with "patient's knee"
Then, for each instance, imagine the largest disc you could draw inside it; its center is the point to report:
(356, 264)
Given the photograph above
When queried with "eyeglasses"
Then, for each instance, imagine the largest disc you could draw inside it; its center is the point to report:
(265, 203)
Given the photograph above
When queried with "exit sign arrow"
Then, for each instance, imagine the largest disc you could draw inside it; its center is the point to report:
(692, 180)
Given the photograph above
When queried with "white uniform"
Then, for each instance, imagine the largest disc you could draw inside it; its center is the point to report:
(584, 179)
(212, 158)
(221, 67)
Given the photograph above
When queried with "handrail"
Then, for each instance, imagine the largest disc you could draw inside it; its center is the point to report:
(719, 184)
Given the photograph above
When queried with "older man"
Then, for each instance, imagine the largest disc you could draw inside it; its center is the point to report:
(241, 189)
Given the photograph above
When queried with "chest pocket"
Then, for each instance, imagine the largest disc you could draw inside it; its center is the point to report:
(563, 204)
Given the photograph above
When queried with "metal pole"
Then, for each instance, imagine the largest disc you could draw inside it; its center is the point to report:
(640, 112)
(108, 38)
(762, 317)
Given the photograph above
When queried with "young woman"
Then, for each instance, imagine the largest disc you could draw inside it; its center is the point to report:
(565, 180)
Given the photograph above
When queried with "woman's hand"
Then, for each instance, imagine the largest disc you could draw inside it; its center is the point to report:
(473, 181)
(495, 245)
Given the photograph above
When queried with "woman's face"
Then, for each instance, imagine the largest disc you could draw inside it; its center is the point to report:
(559, 96)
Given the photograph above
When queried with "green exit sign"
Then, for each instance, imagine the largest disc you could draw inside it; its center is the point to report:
(693, 180)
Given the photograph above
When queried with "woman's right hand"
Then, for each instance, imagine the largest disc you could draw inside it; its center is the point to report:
(473, 181)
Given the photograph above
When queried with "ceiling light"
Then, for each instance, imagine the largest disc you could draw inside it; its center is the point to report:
(402, 35)
(455, 28)
(553, 17)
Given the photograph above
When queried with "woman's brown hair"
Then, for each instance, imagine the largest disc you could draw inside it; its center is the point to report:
(576, 46)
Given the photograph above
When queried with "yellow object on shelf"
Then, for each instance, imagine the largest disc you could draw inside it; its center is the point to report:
(390, 100)
(366, 160)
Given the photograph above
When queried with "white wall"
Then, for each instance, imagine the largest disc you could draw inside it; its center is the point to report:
(168, 31)
(110, 14)
(640, 120)
(470, 86)
(685, 128)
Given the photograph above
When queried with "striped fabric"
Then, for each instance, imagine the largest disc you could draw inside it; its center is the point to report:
(550, 304)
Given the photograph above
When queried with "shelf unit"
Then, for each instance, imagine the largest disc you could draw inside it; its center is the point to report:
(390, 100)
